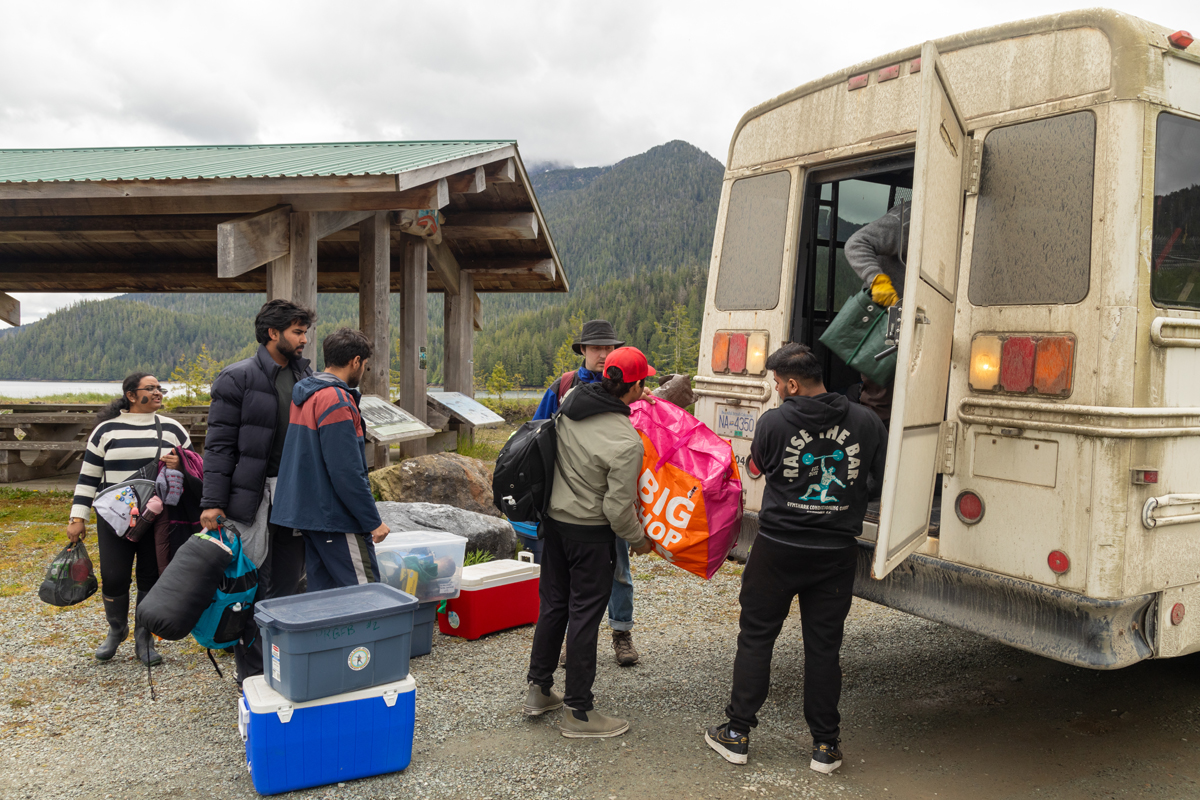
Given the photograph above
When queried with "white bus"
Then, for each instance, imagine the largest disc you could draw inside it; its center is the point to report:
(1043, 467)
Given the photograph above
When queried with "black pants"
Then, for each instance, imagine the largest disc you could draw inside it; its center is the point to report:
(824, 581)
(117, 556)
(279, 576)
(575, 585)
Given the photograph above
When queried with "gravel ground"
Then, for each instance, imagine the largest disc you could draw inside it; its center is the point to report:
(929, 711)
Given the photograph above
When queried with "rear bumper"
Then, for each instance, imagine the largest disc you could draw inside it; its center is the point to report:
(1068, 627)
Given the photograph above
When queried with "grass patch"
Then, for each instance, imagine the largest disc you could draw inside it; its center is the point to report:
(23, 505)
(69, 397)
(32, 546)
(477, 557)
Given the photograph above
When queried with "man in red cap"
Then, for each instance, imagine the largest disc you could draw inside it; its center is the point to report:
(593, 503)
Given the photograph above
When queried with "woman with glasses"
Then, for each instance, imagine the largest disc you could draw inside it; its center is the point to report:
(124, 440)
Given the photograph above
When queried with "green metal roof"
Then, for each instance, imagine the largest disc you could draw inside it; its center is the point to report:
(233, 161)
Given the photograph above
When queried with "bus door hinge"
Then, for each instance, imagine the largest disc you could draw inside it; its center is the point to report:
(973, 164)
(949, 434)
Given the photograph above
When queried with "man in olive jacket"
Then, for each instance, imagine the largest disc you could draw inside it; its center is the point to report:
(593, 501)
(247, 424)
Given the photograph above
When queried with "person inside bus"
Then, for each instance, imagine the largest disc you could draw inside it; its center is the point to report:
(876, 253)
(816, 452)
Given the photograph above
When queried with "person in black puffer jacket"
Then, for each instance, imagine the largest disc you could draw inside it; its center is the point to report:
(247, 423)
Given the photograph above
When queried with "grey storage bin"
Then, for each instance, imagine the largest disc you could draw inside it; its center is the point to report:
(424, 621)
(340, 640)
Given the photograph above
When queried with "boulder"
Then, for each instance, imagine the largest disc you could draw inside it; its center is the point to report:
(483, 532)
(445, 478)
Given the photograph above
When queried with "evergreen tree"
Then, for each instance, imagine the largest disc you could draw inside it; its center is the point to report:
(678, 351)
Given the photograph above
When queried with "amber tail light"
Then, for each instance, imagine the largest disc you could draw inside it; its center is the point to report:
(1022, 364)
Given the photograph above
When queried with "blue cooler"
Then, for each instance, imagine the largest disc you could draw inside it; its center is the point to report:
(527, 535)
(423, 621)
(339, 640)
(340, 738)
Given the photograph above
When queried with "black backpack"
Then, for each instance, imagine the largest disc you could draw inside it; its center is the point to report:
(524, 473)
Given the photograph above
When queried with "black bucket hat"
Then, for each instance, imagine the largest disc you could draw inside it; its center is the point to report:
(598, 332)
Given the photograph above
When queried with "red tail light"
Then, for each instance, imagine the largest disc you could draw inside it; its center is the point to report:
(737, 352)
(1058, 562)
(1016, 364)
(1181, 39)
(969, 507)
(720, 353)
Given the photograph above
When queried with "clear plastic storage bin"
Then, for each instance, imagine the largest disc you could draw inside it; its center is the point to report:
(426, 564)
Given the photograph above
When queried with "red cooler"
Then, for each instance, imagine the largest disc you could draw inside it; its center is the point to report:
(493, 597)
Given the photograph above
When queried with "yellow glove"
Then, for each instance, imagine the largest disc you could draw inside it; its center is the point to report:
(882, 291)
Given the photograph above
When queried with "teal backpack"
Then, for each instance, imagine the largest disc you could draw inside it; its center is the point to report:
(232, 608)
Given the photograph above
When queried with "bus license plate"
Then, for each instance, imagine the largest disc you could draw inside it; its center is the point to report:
(735, 423)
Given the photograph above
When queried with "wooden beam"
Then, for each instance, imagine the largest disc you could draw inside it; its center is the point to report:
(445, 265)
(108, 237)
(413, 321)
(196, 187)
(374, 269)
(502, 171)
(471, 182)
(538, 268)
(294, 276)
(416, 177)
(10, 309)
(251, 241)
(113, 224)
(458, 339)
(491, 225)
(476, 312)
(328, 222)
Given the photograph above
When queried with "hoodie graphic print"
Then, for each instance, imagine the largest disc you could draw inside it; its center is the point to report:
(816, 454)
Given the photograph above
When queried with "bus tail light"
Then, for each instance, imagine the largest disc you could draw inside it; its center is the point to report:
(1022, 363)
(1016, 364)
(969, 507)
(985, 363)
(1058, 562)
(737, 352)
(720, 352)
(756, 354)
(1055, 356)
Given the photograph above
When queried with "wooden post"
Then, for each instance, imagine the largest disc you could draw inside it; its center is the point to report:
(413, 318)
(374, 274)
(294, 276)
(459, 341)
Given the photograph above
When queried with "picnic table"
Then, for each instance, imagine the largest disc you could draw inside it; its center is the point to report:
(45, 440)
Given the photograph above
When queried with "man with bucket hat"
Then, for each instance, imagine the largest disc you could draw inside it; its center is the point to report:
(593, 504)
(596, 342)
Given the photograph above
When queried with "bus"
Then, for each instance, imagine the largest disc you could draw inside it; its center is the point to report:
(1042, 484)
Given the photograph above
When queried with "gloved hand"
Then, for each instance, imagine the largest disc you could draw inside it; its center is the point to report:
(882, 291)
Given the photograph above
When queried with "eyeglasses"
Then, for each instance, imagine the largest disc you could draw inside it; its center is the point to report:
(152, 389)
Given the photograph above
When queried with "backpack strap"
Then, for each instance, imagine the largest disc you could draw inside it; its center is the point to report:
(565, 381)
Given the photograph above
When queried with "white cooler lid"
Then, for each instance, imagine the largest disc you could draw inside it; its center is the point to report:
(406, 540)
(497, 573)
(262, 699)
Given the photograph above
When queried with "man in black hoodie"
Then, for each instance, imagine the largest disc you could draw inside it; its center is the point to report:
(816, 451)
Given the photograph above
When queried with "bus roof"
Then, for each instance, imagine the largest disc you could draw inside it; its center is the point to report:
(1131, 40)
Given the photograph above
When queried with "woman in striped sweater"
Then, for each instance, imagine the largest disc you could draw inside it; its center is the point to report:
(123, 441)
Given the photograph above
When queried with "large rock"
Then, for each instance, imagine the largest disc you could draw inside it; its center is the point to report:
(445, 478)
(483, 532)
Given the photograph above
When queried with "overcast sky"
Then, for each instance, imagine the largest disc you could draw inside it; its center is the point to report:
(584, 83)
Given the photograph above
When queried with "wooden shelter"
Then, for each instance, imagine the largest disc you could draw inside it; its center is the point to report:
(458, 217)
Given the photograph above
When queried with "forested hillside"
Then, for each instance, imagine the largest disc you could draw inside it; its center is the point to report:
(634, 238)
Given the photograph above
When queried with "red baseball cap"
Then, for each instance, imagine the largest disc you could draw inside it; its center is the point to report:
(632, 363)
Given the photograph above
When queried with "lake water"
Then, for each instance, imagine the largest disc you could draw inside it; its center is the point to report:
(30, 389)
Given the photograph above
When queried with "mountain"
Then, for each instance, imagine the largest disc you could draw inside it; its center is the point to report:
(634, 237)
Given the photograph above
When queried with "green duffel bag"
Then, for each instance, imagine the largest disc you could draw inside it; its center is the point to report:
(856, 337)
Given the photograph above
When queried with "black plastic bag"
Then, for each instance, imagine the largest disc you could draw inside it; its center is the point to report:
(70, 578)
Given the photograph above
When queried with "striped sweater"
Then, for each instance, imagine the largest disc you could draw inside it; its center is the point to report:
(119, 447)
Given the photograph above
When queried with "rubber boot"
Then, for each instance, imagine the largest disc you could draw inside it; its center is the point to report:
(143, 643)
(116, 611)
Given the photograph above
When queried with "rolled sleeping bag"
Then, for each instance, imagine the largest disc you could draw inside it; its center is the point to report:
(185, 588)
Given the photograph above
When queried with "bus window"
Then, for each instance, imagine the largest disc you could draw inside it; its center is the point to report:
(852, 202)
(752, 250)
(1033, 219)
(1175, 270)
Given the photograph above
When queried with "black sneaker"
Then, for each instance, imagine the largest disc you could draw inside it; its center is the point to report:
(826, 757)
(733, 749)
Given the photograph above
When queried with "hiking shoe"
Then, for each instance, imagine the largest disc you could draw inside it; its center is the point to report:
(590, 725)
(734, 749)
(538, 700)
(627, 654)
(826, 757)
